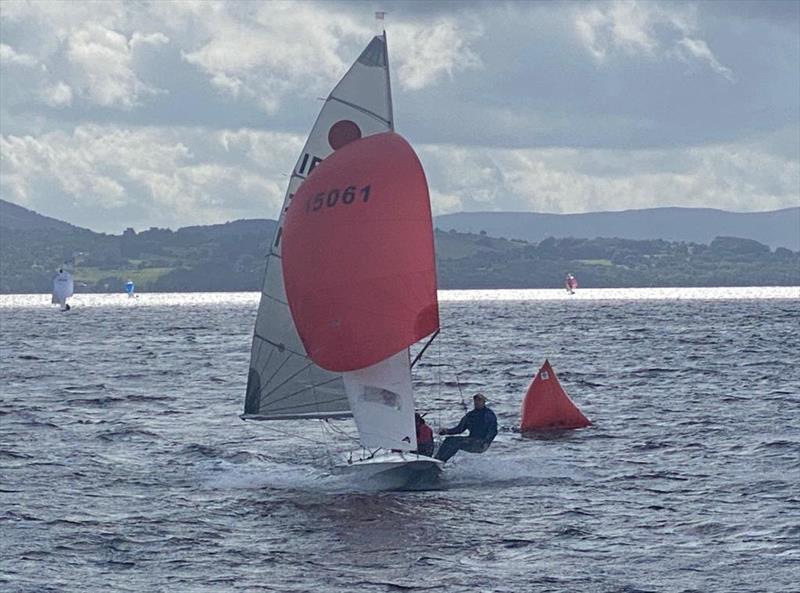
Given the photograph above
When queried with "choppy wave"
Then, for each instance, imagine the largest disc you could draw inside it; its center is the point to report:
(125, 466)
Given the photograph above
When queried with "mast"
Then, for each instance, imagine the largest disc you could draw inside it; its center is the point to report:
(388, 83)
(380, 17)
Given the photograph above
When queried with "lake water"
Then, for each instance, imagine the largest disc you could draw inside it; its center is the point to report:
(124, 465)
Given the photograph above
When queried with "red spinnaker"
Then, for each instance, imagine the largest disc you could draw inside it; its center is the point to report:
(358, 255)
(547, 406)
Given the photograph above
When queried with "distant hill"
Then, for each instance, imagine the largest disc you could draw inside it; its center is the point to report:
(230, 257)
(479, 261)
(219, 257)
(16, 217)
(778, 228)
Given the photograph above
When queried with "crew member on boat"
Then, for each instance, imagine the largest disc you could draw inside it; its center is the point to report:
(424, 436)
(482, 425)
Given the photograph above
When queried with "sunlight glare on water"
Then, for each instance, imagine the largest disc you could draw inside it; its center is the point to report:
(159, 299)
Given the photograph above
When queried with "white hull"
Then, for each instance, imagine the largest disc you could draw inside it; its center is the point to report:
(400, 468)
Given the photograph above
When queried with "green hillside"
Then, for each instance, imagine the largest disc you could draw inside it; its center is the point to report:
(484, 262)
(230, 257)
(225, 257)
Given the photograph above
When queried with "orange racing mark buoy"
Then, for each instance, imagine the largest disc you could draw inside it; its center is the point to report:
(547, 406)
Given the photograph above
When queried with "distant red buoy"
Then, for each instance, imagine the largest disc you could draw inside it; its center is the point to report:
(548, 407)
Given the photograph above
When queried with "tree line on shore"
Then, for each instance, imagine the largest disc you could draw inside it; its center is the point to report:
(230, 257)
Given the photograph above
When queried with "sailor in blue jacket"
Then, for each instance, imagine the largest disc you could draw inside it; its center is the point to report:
(482, 425)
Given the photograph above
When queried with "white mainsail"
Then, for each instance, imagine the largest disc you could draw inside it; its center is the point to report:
(283, 382)
(63, 288)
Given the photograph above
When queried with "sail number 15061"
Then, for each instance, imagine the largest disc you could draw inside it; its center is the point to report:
(329, 199)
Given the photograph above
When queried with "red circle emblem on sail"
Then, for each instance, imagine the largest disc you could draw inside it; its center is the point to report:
(343, 132)
(358, 255)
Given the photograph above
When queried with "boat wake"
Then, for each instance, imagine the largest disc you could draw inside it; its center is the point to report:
(491, 471)
(286, 476)
(271, 475)
(464, 472)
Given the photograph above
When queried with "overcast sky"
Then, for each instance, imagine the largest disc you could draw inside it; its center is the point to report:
(168, 114)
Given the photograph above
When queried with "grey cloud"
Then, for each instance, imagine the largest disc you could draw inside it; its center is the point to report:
(511, 108)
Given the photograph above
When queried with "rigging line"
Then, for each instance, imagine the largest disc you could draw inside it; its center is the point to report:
(281, 347)
(260, 348)
(340, 431)
(307, 408)
(327, 439)
(314, 406)
(421, 352)
(439, 370)
(458, 381)
(293, 435)
(460, 393)
(285, 381)
(361, 109)
(278, 370)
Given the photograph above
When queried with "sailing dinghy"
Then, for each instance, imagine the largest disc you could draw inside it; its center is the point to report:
(63, 288)
(350, 280)
(571, 283)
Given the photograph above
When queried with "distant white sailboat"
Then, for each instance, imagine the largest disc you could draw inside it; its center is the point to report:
(63, 288)
(130, 288)
(570, 284)
(350, 280)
